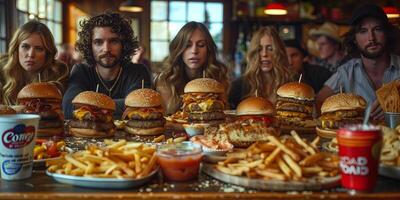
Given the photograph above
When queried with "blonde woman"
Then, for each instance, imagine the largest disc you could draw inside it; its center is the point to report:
(191, 52)
(267, 68)
(31, 54)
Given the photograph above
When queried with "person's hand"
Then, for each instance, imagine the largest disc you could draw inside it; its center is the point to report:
(376, 111)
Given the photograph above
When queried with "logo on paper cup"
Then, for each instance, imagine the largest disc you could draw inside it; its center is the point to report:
(18, 137)
(11, 168)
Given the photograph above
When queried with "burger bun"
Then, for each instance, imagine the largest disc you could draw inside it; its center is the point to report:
(296, 90)
(145, 131)
(91, 133)
(255, 106)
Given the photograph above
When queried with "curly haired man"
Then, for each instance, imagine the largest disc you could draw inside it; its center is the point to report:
(106, 43)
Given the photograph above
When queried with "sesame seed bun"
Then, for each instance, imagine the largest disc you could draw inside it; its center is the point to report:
(40, 90)
(204, 85)
(343, 101)
(296, 90)
(255, 106)
(143, 98)
(94, 99)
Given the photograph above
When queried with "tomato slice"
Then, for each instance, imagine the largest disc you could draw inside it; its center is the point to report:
(52, 150)
(265, 119)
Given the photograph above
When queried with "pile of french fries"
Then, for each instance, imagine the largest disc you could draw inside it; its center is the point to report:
(390, 154)
(119, 159)
(285, 159)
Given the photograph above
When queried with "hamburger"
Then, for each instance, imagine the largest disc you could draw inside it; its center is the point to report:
(93, 115)
(144, 113)
(339, 110)
(204, 102)
(6, 110)
(295, 103)
(43, 99)
(255, 121)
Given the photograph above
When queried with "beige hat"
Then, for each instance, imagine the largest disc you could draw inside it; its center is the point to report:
(327, 29)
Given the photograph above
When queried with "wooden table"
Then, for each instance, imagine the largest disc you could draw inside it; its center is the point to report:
(41, 186)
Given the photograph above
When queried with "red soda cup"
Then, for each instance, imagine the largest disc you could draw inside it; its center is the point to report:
(359, 151)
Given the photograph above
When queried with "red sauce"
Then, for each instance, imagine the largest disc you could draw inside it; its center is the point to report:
(178, 166)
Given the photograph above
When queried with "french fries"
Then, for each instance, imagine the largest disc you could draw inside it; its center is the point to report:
(120, 159)
(285, 159)
(390, 154)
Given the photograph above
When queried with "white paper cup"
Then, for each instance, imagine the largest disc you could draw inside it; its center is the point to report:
(18, 135)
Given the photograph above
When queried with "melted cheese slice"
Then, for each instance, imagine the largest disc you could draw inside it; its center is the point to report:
(80, 113)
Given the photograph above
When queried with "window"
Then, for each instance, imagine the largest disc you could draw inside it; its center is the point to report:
(3, 39)
(48, 12)
(168, 17)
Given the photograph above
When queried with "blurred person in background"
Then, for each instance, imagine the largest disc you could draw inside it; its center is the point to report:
(313, 75)
(68, 55)
(266, 70)
(329, 46)
(31, 54)
(370, 41)
(191, 53)
(106, 44)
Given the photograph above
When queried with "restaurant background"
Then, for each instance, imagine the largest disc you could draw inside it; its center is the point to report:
(230, 22)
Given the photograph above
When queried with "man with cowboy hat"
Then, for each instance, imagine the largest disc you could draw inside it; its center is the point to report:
(329, 45)
(370, 41)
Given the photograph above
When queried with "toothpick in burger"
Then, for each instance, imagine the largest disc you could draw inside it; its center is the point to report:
(144, 113)
(295, 104)
(204, 101)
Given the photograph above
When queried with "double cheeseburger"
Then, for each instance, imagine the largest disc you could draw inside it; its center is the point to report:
(144, 113)
(294, 104)
(204, 101)
(339, 110)
(93, 115)
(43, 99)
(255, 122)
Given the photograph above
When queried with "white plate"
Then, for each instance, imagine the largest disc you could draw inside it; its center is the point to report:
(102, 183)
(389, 171)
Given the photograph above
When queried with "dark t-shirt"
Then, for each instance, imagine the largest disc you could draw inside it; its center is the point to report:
(238, 89)
(315, 76)
(85, 78)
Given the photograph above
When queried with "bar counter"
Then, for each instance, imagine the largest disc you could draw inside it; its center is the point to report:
(41, 186)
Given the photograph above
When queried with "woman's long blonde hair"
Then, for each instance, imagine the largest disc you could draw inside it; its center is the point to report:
(279, 74)
(15, 77)
(173, 78)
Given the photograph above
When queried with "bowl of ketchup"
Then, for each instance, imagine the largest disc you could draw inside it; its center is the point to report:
(180, 161)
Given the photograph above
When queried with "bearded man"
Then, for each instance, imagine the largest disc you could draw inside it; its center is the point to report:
(370, 41)
(106, 43)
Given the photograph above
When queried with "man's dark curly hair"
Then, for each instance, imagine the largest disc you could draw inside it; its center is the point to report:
(118, 24)
(351, 44)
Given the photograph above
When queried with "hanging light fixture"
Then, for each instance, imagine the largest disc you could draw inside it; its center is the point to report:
(391, 11)
(130, 6)
(275, 8)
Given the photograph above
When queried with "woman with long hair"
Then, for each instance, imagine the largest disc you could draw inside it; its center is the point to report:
(31, 55)
(192, 54)
(266, 70)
